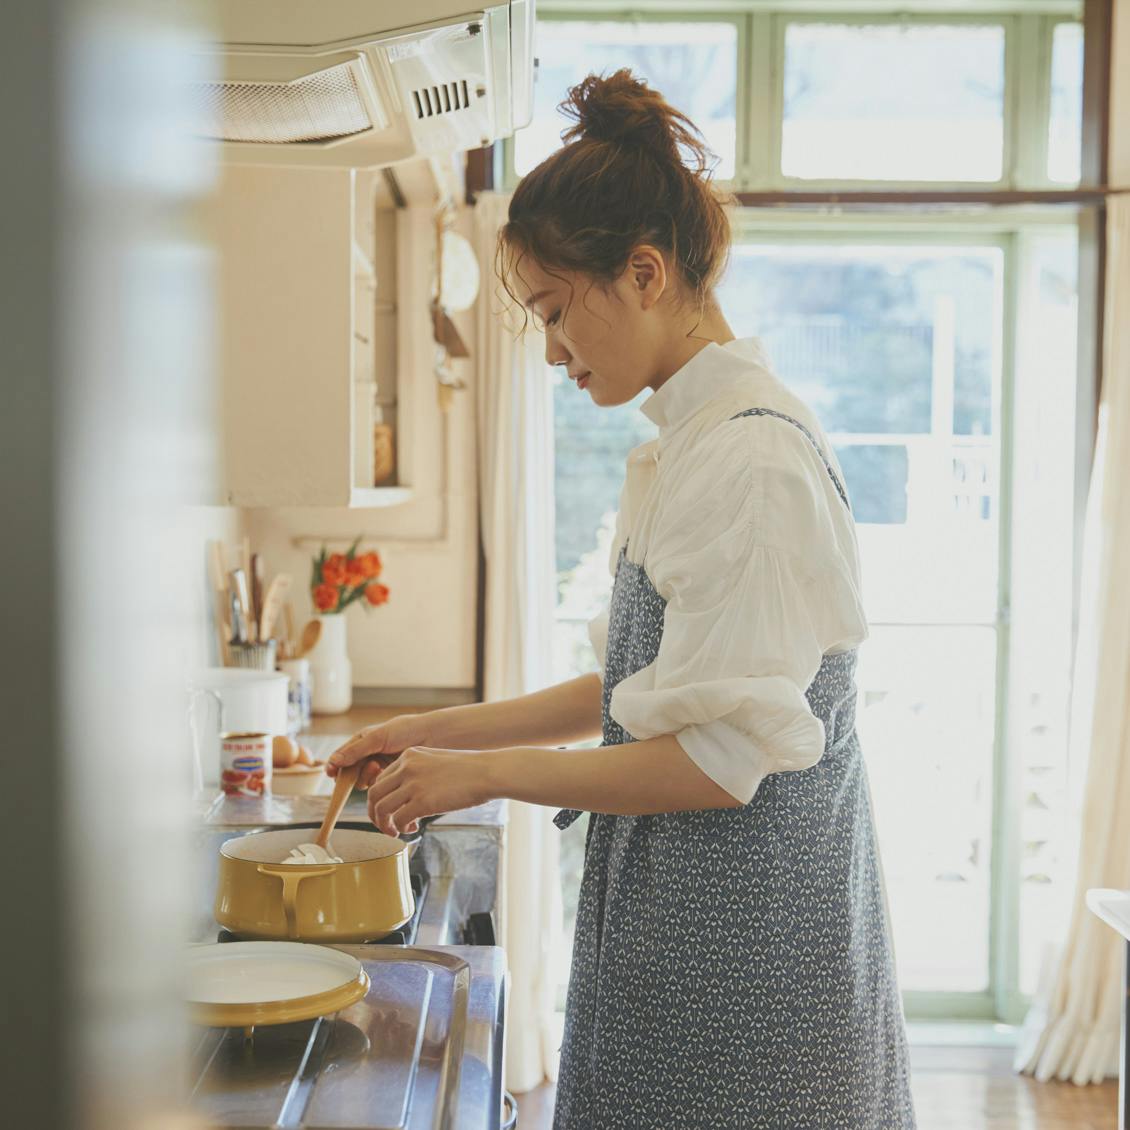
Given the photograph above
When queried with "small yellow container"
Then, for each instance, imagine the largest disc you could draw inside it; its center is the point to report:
(260, 897)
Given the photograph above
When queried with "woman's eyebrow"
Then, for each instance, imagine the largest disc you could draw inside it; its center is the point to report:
(535, 297)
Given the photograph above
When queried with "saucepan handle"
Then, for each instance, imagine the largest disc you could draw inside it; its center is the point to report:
(291, 876)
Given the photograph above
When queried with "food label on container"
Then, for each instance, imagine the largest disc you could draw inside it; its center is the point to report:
(245, 764)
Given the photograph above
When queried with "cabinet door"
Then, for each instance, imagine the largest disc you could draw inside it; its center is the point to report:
(286, 329)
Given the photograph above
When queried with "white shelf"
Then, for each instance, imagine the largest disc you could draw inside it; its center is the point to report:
(371, 497)
(1113, 907)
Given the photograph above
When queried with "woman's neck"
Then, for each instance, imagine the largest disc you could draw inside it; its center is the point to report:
(691, 339)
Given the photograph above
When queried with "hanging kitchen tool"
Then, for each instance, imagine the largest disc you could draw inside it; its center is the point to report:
(456, 285)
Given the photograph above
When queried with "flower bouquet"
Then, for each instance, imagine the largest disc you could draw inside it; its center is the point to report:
(337, 581)
(341, 579)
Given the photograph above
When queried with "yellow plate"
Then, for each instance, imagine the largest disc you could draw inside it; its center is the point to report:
(245, 984)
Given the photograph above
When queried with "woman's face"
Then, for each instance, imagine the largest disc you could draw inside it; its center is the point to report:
(604, 335)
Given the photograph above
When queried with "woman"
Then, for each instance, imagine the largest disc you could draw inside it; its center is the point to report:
(732, 964)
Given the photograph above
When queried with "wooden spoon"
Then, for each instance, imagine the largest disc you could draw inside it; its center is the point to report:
(310, 636)
(343, 785)
(272, 605)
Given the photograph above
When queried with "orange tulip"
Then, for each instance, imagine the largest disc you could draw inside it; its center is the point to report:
(325, 597)
(333, 571)
(355, 574)
(377, 594)
(371, 564)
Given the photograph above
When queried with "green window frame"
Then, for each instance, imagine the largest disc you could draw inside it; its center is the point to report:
(1029, 27)
(761, 27)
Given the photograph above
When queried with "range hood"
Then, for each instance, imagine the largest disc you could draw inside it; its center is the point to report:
(364, 83)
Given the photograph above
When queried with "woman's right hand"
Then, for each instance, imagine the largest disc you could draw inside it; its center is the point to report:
(378, 746)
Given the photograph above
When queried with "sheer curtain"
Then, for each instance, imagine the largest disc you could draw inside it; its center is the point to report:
(514, 410)
(1072, 1029)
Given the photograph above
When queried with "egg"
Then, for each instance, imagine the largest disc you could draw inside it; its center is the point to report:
(284, 752)
(305, 757)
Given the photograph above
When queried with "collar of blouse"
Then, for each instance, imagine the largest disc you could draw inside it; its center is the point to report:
(713, 371)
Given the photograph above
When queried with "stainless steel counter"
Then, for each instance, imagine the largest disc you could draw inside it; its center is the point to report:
(423, 1049)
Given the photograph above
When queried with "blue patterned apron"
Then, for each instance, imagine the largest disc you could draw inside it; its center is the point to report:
(732, 967)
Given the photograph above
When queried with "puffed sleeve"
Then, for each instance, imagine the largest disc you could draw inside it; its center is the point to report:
(758, 570)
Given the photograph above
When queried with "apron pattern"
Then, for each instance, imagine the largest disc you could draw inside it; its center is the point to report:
(733, 967)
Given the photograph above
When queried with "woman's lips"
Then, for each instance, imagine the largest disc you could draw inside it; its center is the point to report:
(582, 381)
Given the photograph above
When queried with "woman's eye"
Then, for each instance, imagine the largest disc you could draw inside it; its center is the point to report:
(553, 320)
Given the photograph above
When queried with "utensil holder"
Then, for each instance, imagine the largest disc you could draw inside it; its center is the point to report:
(257, 656)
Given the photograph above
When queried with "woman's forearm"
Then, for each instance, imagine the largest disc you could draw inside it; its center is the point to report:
(642, 777)
(558, 715)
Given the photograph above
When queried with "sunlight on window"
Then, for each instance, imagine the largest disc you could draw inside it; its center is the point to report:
(694, 66)
(1065, 122)
(905, 102)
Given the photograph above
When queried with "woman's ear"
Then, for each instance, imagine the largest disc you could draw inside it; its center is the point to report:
(646, 274)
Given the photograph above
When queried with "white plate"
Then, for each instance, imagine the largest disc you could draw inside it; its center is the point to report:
(223, 973)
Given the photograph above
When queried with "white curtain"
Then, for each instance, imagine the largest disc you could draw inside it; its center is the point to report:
(515, 458)
(1072, 1029)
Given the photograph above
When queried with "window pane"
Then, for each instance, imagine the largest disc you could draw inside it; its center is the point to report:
(926, 722)
(694, 66)
(1042, 585)
(1065, 122)
(893, 102)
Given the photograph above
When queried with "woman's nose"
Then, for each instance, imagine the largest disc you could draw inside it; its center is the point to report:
(555, 354)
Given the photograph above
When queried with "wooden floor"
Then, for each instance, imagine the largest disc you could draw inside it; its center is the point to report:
(954, 1089)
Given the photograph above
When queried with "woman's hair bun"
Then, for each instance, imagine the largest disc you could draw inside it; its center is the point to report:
(634, 170)
(623, 109)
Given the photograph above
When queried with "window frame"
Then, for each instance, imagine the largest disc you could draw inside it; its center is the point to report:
(761, 29)
(1029, 29)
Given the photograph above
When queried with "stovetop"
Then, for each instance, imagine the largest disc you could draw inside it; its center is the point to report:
(423, 1049)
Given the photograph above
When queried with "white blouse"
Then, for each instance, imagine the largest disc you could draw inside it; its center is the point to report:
(741, 530)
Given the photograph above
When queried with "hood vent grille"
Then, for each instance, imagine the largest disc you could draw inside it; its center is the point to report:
(321, 106)
(442, 99)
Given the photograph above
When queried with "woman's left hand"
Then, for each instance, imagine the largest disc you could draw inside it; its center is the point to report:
(423, 782)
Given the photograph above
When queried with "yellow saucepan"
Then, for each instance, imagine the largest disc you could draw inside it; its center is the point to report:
(260, 897)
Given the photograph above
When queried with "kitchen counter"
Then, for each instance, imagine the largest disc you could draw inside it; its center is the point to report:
(357, 718)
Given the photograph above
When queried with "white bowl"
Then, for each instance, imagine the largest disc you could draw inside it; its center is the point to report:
(298, 780)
